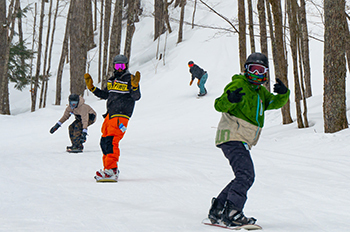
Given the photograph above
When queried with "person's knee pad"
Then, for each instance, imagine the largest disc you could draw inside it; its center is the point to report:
(106, 144)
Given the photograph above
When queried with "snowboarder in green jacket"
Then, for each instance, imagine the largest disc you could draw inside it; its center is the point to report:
(243, 104)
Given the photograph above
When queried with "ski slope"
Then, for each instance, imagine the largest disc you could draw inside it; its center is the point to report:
(170, 167)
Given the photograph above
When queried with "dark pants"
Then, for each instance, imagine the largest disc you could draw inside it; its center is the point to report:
(243, 168)
(75, 130)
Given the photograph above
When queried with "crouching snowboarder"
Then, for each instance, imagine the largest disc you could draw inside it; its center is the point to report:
(201, 75)
(242, 104)
(84, 117)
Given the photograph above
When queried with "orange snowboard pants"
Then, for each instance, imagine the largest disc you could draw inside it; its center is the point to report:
(113, 131)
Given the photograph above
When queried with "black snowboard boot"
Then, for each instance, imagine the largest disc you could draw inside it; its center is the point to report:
(73, 149)
(215, 212)
(233, 217)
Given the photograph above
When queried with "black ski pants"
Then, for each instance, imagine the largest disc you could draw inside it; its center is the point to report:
(243, 168)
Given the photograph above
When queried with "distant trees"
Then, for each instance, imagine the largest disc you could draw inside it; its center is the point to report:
(281, 26)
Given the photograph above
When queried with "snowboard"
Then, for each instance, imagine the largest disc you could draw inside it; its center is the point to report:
(105, 180)
(222, 225)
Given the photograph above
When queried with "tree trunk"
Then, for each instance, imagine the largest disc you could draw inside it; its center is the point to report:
(263, 35)
(116, 35)
(305, 47)
(45, 77)
(251, 26)
(106, 27)
(130, 29)
(100, 45)
(78, 47)
(158, 18)
(194, 12)
(166, 14)
(181, 24)
(334, 70)
(4, 57)
(90, 25)
(280, 60)
(294, 38)
(47, 71)
(38, 63)
(63, 57)
(242, 34)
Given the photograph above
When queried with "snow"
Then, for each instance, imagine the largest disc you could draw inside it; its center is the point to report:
(170, 167)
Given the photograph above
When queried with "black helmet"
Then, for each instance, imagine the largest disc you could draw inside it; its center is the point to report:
(120, 59)
(257, 58)
(190, 62)
(73, 100)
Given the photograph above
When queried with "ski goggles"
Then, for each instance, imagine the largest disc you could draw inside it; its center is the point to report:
(73, 104)
(120, 66)
(257, 69)
(190, 65)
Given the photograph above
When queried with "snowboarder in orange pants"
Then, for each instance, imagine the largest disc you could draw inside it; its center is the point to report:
(121, 93)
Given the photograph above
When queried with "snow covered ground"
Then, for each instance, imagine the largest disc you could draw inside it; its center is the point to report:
(170, 167)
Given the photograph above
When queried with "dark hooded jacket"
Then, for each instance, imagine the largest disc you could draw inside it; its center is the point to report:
(120, 95)
(196, 72)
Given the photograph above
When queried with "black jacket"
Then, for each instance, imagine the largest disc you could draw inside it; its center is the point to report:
(197, 72)
(120, 95)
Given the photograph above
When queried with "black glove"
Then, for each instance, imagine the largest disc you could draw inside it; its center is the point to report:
(279, 87)
(234, 96)
(83, 137)
(54, 128)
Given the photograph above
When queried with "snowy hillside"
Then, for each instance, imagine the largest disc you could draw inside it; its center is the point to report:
(170, 167)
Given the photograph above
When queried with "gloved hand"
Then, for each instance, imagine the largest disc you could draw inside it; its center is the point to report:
(89, 82)
(235, 96)
(54, 128)
(191, 82)
(279, 87)
(199, 81)
(83, 137)
(135, 79)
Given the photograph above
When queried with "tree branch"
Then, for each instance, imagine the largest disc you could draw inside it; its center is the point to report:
(220, 16)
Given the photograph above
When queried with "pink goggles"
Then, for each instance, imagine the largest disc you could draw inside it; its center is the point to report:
(260, 69)
(120, 66)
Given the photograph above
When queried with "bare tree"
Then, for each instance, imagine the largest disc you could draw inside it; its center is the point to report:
(280, 60)
(242, 34)
(78, 47)
(90, 25)
(251, 26)
(44, 76)
(263, 35)
(166, 14)
(100, 73)
(294, 38)
(305, 47)
(34, 88)
(182, 16)
(4, 57)
(106, 28)
(130, 28)
(47, 71)
(64, 54)
(194, 12)
(334, 70)
(116, 35)
(159, 27)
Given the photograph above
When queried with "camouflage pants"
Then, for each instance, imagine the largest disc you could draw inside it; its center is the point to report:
(75, 130)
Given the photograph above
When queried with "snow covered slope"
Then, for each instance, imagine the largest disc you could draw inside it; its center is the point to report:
(170, 167)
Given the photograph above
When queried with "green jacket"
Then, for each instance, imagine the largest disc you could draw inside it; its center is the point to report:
(251, 109)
